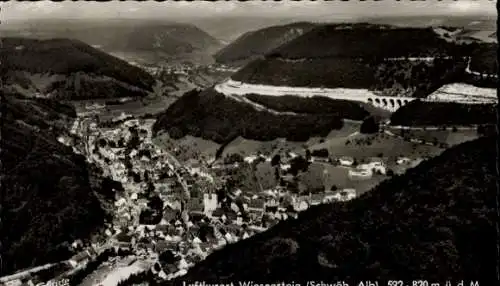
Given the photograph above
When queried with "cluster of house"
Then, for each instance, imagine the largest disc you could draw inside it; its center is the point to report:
(212, 221)
(239, 217)
(173, 68)
(365, 170)
(280, 203)
(375, 166)
(356, 171)
(127, 232)
(290, 201)
(222, 68)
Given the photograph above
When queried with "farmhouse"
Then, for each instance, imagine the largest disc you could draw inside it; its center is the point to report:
(403, 161)
(347, 194)
(346, 161)
(360, 174)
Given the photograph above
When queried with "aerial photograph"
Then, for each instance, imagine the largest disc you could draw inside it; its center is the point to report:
(249, 143)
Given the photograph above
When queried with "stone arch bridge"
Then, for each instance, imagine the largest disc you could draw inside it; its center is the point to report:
(390, 103)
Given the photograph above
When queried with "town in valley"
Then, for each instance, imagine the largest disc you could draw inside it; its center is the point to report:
(191, 136)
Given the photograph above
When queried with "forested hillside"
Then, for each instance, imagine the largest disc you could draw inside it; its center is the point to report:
(366, 41)
(425, 223)
(484, 59)
(215, 117)
(418, 113)
(260, 42)
(69, 69)
(396, 62)
(51, 197)
(311, 105)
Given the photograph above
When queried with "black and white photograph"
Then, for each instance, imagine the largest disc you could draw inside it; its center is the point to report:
(249, 143)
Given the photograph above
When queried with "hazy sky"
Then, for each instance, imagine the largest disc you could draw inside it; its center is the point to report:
(182, 10)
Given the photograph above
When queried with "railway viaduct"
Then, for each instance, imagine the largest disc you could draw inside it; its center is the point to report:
(390, 103)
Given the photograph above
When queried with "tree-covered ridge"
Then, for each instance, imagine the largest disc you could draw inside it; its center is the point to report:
(50, 195)
(26, 121)
(404, 78)
(123, 35)
(168, 38)
(484, 59)
(420, 113)
(384, 59)
(64, 56)
(436, 221)
(366, 41)
(329, 72)
(311, 105)
(260, 42)
(215, 117)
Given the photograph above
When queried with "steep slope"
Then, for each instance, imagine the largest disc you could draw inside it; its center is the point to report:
(484, 59)
(365, 41)
(436, 221)
(167, 38)
(389, 60)
(418, 113)
(50, 197)
(258, 43)
(228, 28)
(215, 117)
(68, 69)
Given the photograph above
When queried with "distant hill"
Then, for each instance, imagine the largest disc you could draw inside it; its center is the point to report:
(215, 117)
(260, 42)
(422, 224)
(365, 40)
(471, 22)
(69, 69)
(149, 38)
(228, 28)
(366, 56)
(51, 197)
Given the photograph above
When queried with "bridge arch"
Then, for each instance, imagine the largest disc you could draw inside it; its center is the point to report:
(384, 101)
(377, 100)
(392, 102)
(370, 100)
(399, 102)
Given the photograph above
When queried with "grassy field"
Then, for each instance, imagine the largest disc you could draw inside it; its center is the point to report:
(361, 146)
(349, 128)
(265, 174)
(195, 146)
(189, 147)
(345, 142)
(325, 175)
(318, 176)
(247, 147)
(135, 107)
(448, 137)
